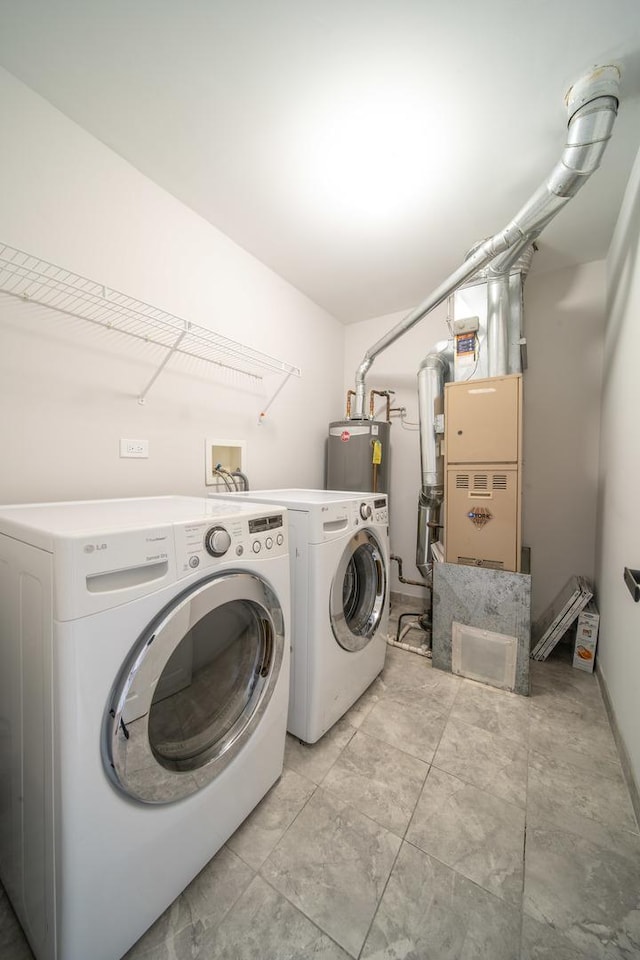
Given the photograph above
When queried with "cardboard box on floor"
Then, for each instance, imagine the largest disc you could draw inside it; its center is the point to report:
(584, 652)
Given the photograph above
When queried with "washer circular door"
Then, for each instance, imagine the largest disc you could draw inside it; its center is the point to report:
(195, 688)
(358, 592)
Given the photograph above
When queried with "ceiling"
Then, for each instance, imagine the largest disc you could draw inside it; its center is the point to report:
(357, 147)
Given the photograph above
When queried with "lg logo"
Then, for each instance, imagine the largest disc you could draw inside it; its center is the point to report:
(90, 547)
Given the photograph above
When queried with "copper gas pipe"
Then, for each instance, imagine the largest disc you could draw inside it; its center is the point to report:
(350, 393)
(387, 394)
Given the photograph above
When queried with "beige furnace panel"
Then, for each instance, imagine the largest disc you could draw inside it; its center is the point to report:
(482, 420)
(482, 525)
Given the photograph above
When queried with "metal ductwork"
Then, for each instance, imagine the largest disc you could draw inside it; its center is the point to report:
(592, 105)
(434, 371)
(502, 281)
(505, 278)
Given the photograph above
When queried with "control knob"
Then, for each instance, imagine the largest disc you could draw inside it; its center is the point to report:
(365, 511)
(217, 541)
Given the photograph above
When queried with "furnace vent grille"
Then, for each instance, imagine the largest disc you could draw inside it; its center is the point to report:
(484, 655)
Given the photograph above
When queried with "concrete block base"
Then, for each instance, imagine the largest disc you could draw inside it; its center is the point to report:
(487, 599)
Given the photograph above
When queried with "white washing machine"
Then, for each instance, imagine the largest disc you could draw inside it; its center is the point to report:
(144, 677)
(340, 595)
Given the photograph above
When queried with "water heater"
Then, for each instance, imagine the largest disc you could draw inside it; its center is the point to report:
(358, 456)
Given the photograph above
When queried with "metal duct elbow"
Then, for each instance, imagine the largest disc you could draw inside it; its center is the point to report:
(360, 391)
(592, 107)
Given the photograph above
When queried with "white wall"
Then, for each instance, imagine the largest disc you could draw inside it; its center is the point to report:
(68, 390)
(564, 319)
(618, 518)
(564, 325)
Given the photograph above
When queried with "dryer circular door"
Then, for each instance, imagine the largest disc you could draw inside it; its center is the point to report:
(358, 592)
(195, 688)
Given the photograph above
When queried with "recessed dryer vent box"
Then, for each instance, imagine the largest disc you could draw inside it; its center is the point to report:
(229, 454)
(484, 655)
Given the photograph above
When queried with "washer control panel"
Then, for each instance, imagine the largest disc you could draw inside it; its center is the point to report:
(380, 510)
(372, 509)
(202, 545)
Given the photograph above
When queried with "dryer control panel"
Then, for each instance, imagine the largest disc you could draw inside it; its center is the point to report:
(202, 545)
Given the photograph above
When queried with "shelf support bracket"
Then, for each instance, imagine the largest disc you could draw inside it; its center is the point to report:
(266, 406)
(172, 350)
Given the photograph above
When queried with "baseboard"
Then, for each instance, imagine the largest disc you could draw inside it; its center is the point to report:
(408, 600)
(627, 769)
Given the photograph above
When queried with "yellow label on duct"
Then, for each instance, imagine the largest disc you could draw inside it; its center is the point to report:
(377, 452)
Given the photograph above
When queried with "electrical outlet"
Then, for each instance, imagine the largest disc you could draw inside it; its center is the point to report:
(134, 448)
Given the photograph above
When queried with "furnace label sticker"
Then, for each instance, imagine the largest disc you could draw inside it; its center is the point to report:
(479, 516)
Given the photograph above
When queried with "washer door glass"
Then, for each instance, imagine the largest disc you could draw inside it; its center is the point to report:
(358, 592)
(195, 688)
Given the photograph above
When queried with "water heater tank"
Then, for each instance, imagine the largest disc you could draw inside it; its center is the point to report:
(358, 456)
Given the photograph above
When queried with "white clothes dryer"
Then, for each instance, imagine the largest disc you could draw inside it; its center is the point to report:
(144, 676)
(340, 599)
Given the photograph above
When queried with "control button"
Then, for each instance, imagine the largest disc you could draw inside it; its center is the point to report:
(280, 539)
(194, 562)
(257, 546)
(239, 550)
(365, 511)
(217, 541)
(268, 543)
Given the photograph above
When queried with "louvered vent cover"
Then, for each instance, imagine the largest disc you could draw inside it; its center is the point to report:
(480, 481)
(499, 481)
(462, 481)
(484, 655)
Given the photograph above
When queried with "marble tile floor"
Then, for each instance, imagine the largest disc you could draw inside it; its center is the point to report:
(438, 820)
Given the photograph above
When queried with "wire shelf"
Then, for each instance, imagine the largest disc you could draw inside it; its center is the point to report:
(30, 278)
